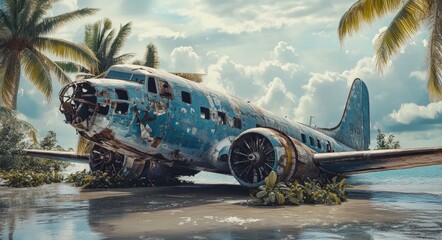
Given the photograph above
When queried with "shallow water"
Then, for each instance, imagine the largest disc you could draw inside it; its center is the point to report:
(403, 204)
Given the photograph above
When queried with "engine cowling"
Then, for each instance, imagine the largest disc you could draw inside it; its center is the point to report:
(258, 151)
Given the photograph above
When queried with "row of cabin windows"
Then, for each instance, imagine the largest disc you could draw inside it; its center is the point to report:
(222, 117)
(205, 112)
(316, 143)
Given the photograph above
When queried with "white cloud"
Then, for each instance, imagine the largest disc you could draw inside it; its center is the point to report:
(278, 99)
(246, 17)
(185, 59)
(409, 112)
(285, 53)
(160, 32)
(420, 75)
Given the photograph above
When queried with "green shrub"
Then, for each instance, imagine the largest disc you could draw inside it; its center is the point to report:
(29, 178)
(310, 191)
(98, 179)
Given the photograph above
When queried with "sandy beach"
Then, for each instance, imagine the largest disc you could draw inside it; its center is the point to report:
(207, 211)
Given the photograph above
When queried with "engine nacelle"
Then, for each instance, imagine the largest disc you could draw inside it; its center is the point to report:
(258, 151)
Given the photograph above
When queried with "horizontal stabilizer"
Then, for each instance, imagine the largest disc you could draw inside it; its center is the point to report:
(58, 155)
(377, 160)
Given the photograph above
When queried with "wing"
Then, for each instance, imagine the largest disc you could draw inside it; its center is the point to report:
(58, 155)
(377, 160)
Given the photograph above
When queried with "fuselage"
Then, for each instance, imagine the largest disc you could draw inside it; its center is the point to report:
(147, 114)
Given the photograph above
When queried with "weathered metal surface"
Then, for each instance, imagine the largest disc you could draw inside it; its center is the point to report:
(378, 160)
(354, 128)
(161, 122)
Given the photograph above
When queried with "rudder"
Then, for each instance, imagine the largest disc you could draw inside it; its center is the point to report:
(354, 128)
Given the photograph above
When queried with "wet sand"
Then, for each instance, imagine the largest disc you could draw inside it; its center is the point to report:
(203, 211)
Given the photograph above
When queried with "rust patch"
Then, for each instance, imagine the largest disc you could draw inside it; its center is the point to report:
(103, 136)
(177, 155)
(165, 89)
(156, 142)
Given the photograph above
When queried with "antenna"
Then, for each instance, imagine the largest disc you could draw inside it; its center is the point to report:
(311, 117)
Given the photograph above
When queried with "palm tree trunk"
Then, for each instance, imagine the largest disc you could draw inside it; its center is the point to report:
(15, 91)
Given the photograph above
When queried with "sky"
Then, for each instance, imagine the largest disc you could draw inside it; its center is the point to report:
(284, 56)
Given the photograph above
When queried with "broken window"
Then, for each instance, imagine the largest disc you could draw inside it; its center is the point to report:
(122, 108)
(165, 89)
(304, 140)
(312, 141)
(222, 118)
(319, 143)
(185, 96)
(237, 122)
(121, 94)
(103, 110)
(205, 113)
(152, 85)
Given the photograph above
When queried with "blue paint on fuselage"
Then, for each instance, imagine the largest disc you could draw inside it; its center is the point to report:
(182, 130)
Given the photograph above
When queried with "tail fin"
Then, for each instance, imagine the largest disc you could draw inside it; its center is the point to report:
(354, 128)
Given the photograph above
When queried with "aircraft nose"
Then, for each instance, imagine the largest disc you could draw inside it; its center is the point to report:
(78, 103)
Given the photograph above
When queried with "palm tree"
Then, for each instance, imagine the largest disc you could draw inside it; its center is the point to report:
(105, 44)
(24, 43)
(410, 16)
(151, 59)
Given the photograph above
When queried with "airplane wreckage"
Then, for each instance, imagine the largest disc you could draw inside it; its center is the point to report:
(149, 123)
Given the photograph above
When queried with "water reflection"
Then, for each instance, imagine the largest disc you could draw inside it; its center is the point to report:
(46, 212)
(405, 204)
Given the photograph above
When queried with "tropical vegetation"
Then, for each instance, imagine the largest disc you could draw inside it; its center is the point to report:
(309, 191)
(410, 16)
(106, 44)
(18, 170)
(25, 45)
(389, 143)
(98, 179)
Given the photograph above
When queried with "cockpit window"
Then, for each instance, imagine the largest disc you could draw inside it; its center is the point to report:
(138, 77)
(118, 75)
(126, 76)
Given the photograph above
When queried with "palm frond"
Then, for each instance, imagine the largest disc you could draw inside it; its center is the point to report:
(403, 26)
(32, 134)
(40, 10)
(37, 72)
(50, 25)
(25, 14)
(10, 80)
(84, 146)
(122, 59)
(120, 39)
(67, 50)
(53, 67)
(434, 54)
(195, 77)
(6, 20)
(151, 58)
(364, 11)
(69, 67)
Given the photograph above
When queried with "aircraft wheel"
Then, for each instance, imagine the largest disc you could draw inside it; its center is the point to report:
(101, 159)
